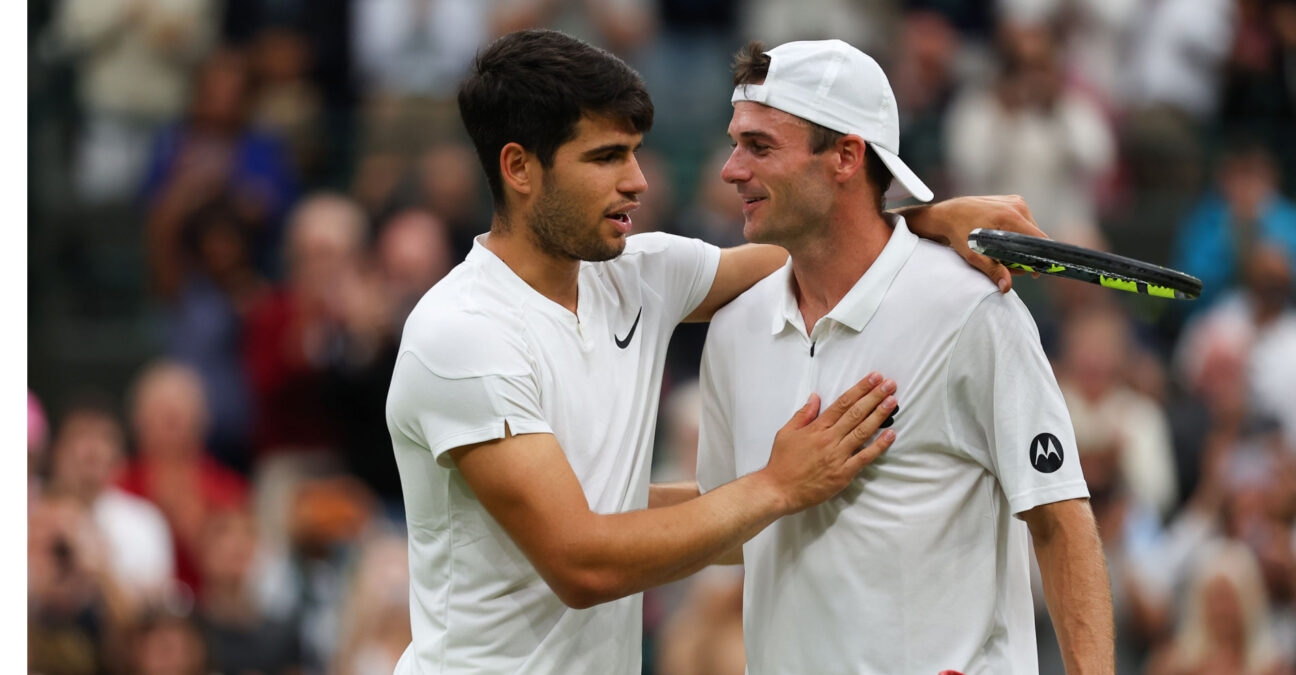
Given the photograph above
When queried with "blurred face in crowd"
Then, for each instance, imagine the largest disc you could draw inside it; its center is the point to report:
(327, 236)
(1247, 179)
(785, 188)
(1095, 346)
(221, 93)
(170, 413)
(414, 251)
(583, 209)
(171, 646)
(87, 453)
(229, 546)
(1268, 278)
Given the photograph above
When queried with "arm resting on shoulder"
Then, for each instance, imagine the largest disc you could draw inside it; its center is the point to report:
(947, 222)
(1076, 586)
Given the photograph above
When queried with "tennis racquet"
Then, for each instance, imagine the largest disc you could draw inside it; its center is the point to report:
(1036, 254)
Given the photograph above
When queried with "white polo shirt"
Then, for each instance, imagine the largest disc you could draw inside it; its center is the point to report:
(482, 349)
(918, 566)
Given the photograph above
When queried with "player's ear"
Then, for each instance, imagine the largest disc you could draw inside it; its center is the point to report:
(850, 153)
(519, 168)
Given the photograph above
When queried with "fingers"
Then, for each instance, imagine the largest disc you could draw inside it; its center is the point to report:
(857, 435)
(851, 397)
(1018, 218)
(805, 414)
(872, 451)
(992, 268)
(854, 425)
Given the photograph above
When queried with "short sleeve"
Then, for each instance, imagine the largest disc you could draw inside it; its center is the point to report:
(679, 268)
(1008, 413)
(443, 399)
(715, 456)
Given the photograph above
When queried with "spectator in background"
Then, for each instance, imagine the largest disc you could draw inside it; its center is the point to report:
(289, 105)
(76, 610)
(201, 267)
(1178, 58)
(292, 333)
(135, 59)
(327, 516)
(1243, 211)
(621, 27)
(925, 85)
(87, 456)
(445, 180)
(1092, 367)
(214, 153)
(167, 643)
(1032, 135)
(375, 621)
(450, 185)
(239, 637)
(409, 56)
(867, 26)
(1262, 324)
(171, 467)
(1225, 625)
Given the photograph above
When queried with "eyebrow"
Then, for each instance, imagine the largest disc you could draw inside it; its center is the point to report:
(610, 148)
(757, 136)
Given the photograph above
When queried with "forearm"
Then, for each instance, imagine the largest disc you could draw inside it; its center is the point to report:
(1078, 593)
(670, 494)
(626, 553)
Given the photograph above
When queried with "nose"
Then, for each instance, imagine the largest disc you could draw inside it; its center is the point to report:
(634, 182)
(733, 170)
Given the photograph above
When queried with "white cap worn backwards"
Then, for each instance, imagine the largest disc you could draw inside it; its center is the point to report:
(837, 86)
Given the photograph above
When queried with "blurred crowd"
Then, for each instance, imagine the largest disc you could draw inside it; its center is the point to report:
(234, 204)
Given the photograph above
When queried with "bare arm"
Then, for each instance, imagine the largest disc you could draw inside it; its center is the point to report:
(669, 494)
(527, 485)
(949, 222)
(1075, 584)
(739, 269)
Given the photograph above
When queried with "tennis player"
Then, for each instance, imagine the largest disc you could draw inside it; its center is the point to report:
(921, 565)
(524, 398)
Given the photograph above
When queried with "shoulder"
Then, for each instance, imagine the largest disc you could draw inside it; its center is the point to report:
(753, 310)
(467, 327)
(942, 281)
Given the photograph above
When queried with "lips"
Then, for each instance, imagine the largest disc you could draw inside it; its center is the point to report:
(621, 218)
(750, 203)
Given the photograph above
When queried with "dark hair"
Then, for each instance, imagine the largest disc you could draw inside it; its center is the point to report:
(751, 66)
(532, 87)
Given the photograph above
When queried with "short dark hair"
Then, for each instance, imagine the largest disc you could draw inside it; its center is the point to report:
(532, 87)
(751, 66)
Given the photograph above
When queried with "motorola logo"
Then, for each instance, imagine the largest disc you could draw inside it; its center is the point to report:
(1046, 453)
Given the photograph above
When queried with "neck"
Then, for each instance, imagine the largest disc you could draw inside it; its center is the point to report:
(554, 277)
(826, 267)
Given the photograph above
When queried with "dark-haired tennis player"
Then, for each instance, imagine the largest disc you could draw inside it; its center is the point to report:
(921, 565)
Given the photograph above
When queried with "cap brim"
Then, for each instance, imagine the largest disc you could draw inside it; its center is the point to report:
(903, 174)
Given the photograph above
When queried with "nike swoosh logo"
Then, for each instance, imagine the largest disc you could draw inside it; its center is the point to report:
(629, 336)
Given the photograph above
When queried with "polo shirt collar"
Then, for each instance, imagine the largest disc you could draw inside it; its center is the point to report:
(859, 305)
